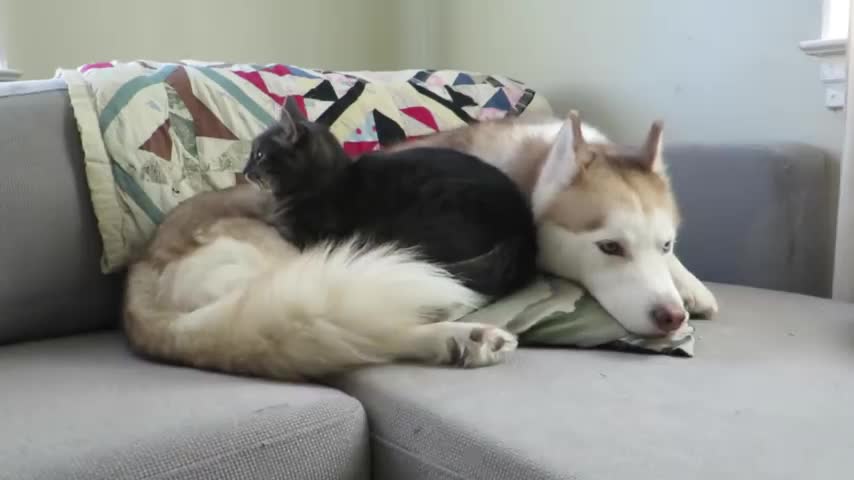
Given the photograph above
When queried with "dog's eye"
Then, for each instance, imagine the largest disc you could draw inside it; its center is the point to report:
(611, 247)
(667, 247)
(259, 155)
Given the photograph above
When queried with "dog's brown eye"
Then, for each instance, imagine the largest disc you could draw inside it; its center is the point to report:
(611, 247)
(667, 247)
(259, 156)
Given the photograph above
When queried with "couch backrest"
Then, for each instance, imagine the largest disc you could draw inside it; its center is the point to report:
(50, 280)
(754, 215)
(757, 215)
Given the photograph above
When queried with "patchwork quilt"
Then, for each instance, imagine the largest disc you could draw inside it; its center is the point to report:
(155, 134)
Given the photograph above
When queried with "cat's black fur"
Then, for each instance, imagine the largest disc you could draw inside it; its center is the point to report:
(457, 210)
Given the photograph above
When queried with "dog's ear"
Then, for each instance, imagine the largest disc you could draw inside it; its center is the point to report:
(563, 163)
(578, 141)
(652, 156)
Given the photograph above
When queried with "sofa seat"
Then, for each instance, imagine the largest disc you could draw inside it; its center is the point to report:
(85, 408)
(769, 395)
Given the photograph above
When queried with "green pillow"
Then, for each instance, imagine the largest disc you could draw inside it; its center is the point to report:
(556, 312)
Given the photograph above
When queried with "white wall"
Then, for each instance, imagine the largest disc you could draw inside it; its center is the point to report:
(716, 71)
(41, 35)
(722, 71)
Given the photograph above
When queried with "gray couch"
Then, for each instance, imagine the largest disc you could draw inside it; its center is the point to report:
(770, 394)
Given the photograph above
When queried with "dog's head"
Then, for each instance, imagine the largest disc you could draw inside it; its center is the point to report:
(608, 219)
(294, 154)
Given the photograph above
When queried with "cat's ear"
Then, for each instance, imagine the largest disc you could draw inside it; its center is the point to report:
(290, 121)
(293, 109)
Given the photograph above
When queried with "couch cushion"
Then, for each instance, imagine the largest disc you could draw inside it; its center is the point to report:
(757, 215)
(85, 408)
(768, 396)
(50, 280)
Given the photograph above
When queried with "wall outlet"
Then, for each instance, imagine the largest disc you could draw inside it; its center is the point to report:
(834, 71)
(834, 95)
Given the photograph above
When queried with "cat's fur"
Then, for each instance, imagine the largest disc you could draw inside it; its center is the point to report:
(219, 288)
(459, 212)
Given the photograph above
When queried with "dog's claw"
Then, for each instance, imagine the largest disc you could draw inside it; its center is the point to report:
(700, 302)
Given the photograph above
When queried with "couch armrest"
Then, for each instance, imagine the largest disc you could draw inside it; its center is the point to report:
(754, 215)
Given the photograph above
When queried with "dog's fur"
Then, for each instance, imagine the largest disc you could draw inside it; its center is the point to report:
(606, 214)
(218, 288)
(459, 212)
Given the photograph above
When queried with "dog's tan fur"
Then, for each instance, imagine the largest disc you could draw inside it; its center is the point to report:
(219, 288)
(612, 178)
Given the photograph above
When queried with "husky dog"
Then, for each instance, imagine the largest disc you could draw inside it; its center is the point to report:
(459, 212)
(219, 288)
(606, 215)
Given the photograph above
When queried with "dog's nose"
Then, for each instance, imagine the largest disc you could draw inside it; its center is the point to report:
(668, 317)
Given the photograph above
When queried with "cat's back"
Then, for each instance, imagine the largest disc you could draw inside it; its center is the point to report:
(456, 209)
(439, 180)
(433, 163)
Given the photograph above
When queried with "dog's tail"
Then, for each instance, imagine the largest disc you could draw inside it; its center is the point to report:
(327, 309)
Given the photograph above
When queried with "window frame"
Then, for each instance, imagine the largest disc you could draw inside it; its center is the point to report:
(832, 43)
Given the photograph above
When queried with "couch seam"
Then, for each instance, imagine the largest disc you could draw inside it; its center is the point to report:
(275, 440)
(412, 455)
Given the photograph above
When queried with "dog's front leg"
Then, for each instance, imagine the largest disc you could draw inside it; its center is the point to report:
(699, 300)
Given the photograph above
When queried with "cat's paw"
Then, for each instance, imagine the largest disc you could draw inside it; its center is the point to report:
(480, 346)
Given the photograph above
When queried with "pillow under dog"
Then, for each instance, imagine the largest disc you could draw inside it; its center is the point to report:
(556, 312)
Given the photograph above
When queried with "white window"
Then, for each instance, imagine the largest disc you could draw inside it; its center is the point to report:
(835, 22)
(834, 30)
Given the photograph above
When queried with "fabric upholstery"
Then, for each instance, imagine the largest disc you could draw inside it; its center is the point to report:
(766, 397)
(85, 408)
(756, 215)
(50, 281)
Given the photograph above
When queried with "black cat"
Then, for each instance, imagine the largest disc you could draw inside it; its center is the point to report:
(456, 210)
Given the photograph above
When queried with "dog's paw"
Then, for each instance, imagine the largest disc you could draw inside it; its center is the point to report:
(480, 346)
(699, 301)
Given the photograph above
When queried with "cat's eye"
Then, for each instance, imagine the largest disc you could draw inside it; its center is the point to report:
(667, 246)
(611, 247)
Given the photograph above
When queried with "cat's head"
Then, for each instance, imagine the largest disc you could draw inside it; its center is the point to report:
(295, 155)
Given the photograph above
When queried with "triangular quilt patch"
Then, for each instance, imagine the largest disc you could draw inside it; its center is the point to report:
(422, 115)
(278, 69)
(160, 142)
(255, 79)
(315, 108)
(324, 92)
(463, 79)
(388, 131)
(499, 101)
(206, 124)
